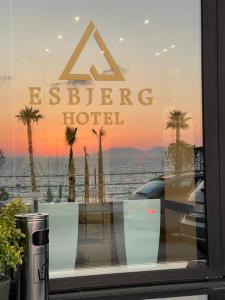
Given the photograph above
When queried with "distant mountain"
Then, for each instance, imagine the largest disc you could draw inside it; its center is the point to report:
(159, 150)
(124, 152)
(154, 152)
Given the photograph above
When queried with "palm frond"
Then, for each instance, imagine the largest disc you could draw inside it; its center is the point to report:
(187, 119)
(70, 135)
(177, 119)
(28, 114)
(184, 126)
(170, 124)
(102, 132)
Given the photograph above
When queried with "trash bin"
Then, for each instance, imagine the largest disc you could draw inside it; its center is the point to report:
(33, 274)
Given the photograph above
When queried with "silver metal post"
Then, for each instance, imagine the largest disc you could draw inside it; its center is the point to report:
(34, 272)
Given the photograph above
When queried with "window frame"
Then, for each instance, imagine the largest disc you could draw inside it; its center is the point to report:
(214, 268)
(214, 291)
(221, 89)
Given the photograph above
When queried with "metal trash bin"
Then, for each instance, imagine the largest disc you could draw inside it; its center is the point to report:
(34, 274)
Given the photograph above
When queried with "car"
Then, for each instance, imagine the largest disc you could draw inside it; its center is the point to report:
(174, 191)
(169, 187)
(192, 225)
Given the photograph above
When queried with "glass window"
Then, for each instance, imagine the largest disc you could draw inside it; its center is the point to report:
(101, 121)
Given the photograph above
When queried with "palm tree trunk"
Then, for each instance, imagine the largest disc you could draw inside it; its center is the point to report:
(177, 134)
(86, 178)
(30, 149)
(100, 172)
(32, 171)
(95, 183)
(72, 194)
(177, 151)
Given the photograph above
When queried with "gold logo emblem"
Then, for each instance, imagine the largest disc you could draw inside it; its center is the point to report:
(117, 74)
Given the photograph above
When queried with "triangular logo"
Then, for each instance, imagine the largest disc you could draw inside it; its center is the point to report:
(117, 74)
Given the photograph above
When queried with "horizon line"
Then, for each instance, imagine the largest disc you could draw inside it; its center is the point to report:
(92, 153)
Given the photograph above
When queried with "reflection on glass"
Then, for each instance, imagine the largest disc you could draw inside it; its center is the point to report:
(113, 151)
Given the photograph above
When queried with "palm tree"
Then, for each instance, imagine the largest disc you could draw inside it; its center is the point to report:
(49, 196)
(86, 177)
(177, 120)
(60, 193)
(100, 164)
(2, 158)
(95, 184)
(27, 116)
(71, 138)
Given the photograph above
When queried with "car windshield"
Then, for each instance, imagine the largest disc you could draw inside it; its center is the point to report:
(152, 189)
(200, 187)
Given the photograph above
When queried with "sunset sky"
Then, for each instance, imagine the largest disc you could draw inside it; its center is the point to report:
(156, 43)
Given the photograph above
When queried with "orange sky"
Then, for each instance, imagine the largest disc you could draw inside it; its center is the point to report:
(174, 77)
